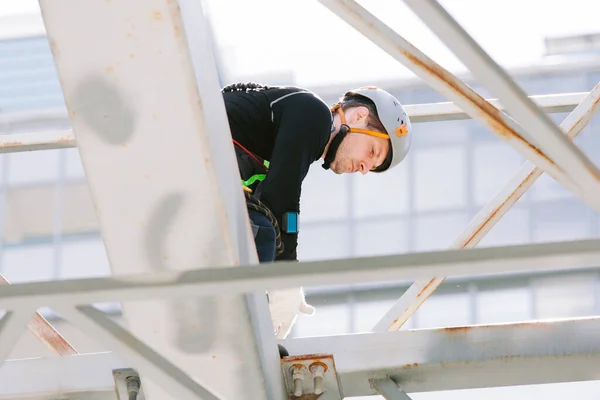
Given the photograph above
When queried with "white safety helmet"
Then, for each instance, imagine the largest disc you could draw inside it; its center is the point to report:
(393, 117)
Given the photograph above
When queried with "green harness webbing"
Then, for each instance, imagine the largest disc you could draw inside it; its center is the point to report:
(256, 177)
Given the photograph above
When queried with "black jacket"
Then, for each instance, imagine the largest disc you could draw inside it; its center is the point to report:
(289, 127)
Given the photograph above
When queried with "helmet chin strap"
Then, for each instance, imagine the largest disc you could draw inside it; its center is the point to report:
(334, 145)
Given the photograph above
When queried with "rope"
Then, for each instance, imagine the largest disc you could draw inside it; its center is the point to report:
(254, 204)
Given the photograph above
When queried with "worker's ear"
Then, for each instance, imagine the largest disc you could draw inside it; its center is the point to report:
(359, 116)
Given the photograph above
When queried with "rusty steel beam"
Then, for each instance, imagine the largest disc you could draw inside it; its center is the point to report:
(487, 218)
(462, 357)
(46, 333)
(544, 132)
(454, 89)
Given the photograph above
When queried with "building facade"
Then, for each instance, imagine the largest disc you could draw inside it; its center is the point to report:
(49, 229)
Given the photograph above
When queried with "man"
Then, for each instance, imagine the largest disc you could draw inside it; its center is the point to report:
(278, 132)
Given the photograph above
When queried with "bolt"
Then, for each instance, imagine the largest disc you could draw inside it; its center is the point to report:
(318, 370)
(298, 378)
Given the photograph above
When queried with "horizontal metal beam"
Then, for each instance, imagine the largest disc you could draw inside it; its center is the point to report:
(449, 111)
(82, 377)
(167, 285)
(428, 112)
(467, 357)
(421, 360)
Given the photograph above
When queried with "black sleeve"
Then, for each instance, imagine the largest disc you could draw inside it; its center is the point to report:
(303, 124)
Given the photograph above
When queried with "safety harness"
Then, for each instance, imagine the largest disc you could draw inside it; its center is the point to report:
(253, 171)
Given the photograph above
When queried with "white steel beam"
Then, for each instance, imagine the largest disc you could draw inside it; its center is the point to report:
(455, 90)
(429, 112)
(466, 357)
(158, 369)
(389, 389)
(170, 285)
(142, 94)
(449, 111)
(487, 218)
(537, 124)
(81, 377)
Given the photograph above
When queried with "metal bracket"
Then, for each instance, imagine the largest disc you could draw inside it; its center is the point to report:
(120, 375)
(311, 377)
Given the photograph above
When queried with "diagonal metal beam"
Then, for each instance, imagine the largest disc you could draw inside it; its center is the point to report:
(143, 97)
(454, 89)
(151, 365)
(545, 132)
(487, 218)
(389, 389)
(46, 333)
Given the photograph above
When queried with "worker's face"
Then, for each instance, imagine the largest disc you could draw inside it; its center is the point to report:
(359, 152)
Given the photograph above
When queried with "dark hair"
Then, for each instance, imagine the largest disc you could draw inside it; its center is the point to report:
(355, 100)
(244, 87)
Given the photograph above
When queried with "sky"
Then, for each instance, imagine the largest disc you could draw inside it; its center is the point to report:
(262, 37)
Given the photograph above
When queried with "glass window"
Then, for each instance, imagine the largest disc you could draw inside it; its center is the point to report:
(558, 221)
(374, 238)
(74, 167)
(324, 195)
(368, 313)
(513, 228)
(327, 320)
(381, 194)
(564, 296)
(33, 167)
(321, 242)
(546, 188)
(501, 305)
(442, 310)
(84, 258)
(440, 132)
(495, 163)
(28, 263)
(438, 231)
(440, 178)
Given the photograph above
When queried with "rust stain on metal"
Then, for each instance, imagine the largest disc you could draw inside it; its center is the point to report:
(11, 144)
(459, 329)
(490, 113)
(322, 364)
(306, 357)
(46, 332)
(48, 335)
(309, 396)
(422, 292)
(54, 48)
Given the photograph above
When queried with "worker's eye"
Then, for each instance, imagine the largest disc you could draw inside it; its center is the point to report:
(372, 151)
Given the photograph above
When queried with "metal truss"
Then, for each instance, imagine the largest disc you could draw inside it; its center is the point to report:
(150, 125)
